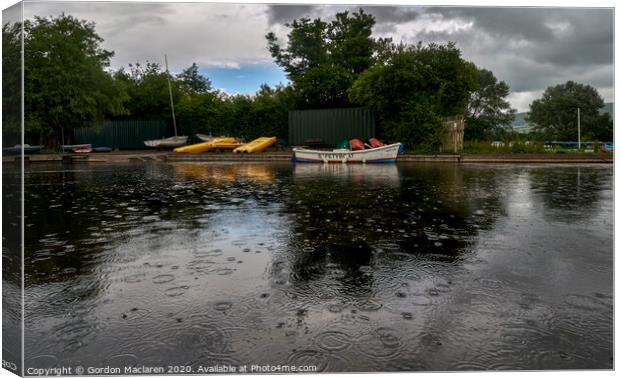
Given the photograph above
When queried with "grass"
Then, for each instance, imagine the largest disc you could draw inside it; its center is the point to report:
(485, 148)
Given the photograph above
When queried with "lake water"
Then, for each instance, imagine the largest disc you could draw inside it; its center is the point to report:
(346, 268)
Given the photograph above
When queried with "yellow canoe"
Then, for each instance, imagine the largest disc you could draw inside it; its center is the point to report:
(204, 146)
(257, 145)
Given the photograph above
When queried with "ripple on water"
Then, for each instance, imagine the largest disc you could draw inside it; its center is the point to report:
(383, 343)
(333, 340)
(367, 304)
(586, 302)
(43, 361)
(223, 306)
(309, 357)
(135, 278)
(176, 291)
(163, 278)
(122, 360)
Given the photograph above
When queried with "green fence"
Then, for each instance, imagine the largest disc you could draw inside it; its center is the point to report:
(329, 126)
(126, 135)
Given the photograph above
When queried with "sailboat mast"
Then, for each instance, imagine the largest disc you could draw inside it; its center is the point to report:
(174, 121)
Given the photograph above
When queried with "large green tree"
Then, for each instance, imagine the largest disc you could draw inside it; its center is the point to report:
(66, 80)
(192, 80)
(489, 114)
(147, 87)
(323, 59)
(555, 114)
(413, 87)
(11, 78)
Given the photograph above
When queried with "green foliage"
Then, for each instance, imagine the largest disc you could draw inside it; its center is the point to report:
(192, 81)
(488, 113)
(11, 77)
(475, 147)
(147, 87)
(555, 114)
(413, 87)
(322, 60)
(66, 82)
(264, 114)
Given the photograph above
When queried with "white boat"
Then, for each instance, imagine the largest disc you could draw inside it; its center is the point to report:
(384, 154)
(204, 137)
(177, 140)
(171, 142)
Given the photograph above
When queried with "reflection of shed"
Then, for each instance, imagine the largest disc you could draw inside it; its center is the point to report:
(454, 128)
(328, 127)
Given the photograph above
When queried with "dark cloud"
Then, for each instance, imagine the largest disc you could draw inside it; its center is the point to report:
(529, 48)
(283, 14)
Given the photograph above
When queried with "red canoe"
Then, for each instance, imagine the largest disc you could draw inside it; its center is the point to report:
(356, 144)
(374, 142)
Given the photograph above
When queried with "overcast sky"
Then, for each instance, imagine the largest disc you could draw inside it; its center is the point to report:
(529, 48)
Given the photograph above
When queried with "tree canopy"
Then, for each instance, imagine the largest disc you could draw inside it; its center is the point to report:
(66, 82)
(323, 59)
(555, 114)
(489, 114)
(413, 88)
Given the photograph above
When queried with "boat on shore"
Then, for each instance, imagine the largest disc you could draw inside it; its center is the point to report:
(384, 154)
(17, 149)
(72, 147)
(171, 142)
(205, 137)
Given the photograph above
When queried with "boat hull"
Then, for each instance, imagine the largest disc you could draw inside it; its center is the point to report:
(167, 142)
(385, 154)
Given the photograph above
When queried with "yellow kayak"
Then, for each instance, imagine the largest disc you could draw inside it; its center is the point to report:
(257, 145)
(204, 146)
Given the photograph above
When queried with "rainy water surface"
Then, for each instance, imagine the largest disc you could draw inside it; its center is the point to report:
(347, 268)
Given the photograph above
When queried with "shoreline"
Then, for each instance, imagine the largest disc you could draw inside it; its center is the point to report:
(282, 156)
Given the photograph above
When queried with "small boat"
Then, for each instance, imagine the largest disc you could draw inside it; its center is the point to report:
(205, 137)
(17, 149)
(82, 150)
(102, 149)
(256, 146)
(385, 154)
(607, 148)
(177, 140)
(213, 144)
(72, 147)
(171, 142)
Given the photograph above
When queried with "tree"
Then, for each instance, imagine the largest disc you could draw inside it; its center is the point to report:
(147, 87)
(323, 59)
(66, 82)
(413, 88)
(555, 114)
(192, 80)
(11, 77)
(488, 112)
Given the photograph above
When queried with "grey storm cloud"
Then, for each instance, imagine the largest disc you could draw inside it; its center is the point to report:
(284, 14)
(529, 48)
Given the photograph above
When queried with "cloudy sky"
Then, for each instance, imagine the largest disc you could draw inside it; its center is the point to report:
(529, 48)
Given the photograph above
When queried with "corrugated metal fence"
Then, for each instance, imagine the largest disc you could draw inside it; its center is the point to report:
(329, 126)
(121, 134)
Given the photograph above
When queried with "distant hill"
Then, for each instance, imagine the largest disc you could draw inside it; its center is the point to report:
(521, 126)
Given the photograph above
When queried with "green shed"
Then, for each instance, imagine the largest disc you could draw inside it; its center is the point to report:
(127, 134)
(329, 126)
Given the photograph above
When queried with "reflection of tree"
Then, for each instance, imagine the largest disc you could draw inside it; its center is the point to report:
(569, 190)
(345, 214)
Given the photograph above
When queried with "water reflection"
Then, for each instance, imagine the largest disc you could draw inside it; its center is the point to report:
(351, 268)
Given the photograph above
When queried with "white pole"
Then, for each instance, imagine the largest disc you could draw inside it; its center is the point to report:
(578, 129)
(174, 121)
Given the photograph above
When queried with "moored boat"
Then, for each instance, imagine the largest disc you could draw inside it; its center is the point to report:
(171, 142)
(385, 154)
(72, 147)
(204, 137)
(17, 149)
